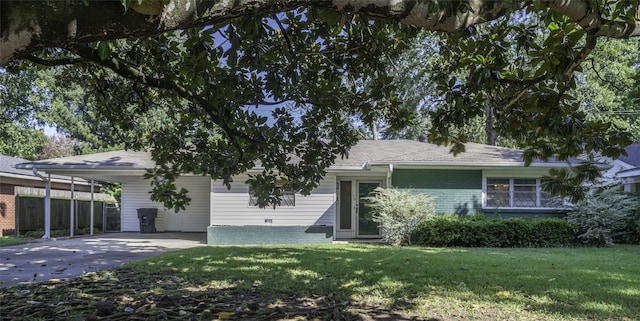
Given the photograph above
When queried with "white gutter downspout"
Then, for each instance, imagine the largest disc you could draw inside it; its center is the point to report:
(47, 202)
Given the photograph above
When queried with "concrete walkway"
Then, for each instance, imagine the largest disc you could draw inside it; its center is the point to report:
(43, 260)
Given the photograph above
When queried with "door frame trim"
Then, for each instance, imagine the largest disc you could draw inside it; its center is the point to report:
(382, 180)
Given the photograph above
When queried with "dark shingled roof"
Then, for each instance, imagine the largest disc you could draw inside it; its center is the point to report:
(8, 163)
(363, 153)
(415, 152)
(108, 160)
(633, 155)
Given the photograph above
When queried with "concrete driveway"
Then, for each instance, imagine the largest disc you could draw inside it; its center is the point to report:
(43, 260)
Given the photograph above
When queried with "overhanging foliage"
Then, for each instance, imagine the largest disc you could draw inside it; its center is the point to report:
(190, 79)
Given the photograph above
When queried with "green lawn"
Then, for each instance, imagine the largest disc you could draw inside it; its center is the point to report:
(8, 240)
(347, 282)
(439, 283)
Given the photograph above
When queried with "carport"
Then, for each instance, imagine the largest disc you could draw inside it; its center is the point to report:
(129, 168)
(113, 167)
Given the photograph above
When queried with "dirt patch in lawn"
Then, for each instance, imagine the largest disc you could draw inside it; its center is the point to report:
(125, 295)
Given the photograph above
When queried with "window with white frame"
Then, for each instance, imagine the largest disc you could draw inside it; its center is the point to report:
(287, 197)
(518, 192)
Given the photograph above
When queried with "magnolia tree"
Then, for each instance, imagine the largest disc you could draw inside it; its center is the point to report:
(192, 78)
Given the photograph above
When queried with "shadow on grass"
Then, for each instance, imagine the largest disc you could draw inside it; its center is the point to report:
(367, 282)
(582, 283)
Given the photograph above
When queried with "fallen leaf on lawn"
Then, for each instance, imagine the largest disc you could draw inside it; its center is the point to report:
(225, 315)
(503, 294)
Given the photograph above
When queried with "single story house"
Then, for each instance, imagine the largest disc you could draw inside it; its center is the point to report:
(12, 179)
(484, 179)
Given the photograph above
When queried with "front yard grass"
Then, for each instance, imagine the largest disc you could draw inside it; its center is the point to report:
(358, 282)
(9, 240)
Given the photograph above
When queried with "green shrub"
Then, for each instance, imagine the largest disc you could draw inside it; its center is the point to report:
(481, 231)
(399, 211)
(608, 217)
(40, 233)
(55, 233)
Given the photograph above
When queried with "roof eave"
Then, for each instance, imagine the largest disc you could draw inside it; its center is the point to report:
(53, 179)
(629, 173)
(468, 164)
(45, 167)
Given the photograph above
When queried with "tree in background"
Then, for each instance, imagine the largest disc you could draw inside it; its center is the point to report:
(65, 98)
(22, 111)
(57, 146)
(606, 85)
(330, 58)
(413, 83)
(21, 142)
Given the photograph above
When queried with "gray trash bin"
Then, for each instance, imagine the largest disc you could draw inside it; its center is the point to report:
(147, 217)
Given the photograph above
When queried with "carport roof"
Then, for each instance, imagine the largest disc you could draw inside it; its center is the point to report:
(109, 160)
(8, 167)
(116, 166)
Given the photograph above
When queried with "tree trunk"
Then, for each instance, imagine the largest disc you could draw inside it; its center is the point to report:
(489, 124)
(374, 131)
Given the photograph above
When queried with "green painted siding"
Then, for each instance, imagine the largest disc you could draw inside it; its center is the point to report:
(455, 191)
(268, 234)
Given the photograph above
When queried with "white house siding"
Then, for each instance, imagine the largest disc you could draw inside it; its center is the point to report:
(196, 215)
(231, 206)
(195, 218)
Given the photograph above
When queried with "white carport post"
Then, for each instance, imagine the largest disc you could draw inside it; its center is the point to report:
(91, 211)
(47, 202)
(47, 208)
(71, 211)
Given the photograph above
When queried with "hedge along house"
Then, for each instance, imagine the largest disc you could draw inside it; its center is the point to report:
(484, 179)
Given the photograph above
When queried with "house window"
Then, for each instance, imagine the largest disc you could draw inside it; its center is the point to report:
(524, 192)
(287, 197)
(518, 192)
(498, 192)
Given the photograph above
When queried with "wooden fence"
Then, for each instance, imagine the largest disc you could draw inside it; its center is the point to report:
(30, 210)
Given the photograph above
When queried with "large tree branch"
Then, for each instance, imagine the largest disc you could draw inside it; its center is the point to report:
(589, 45)
(53, 62)
(27, 26)
(581, 12)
